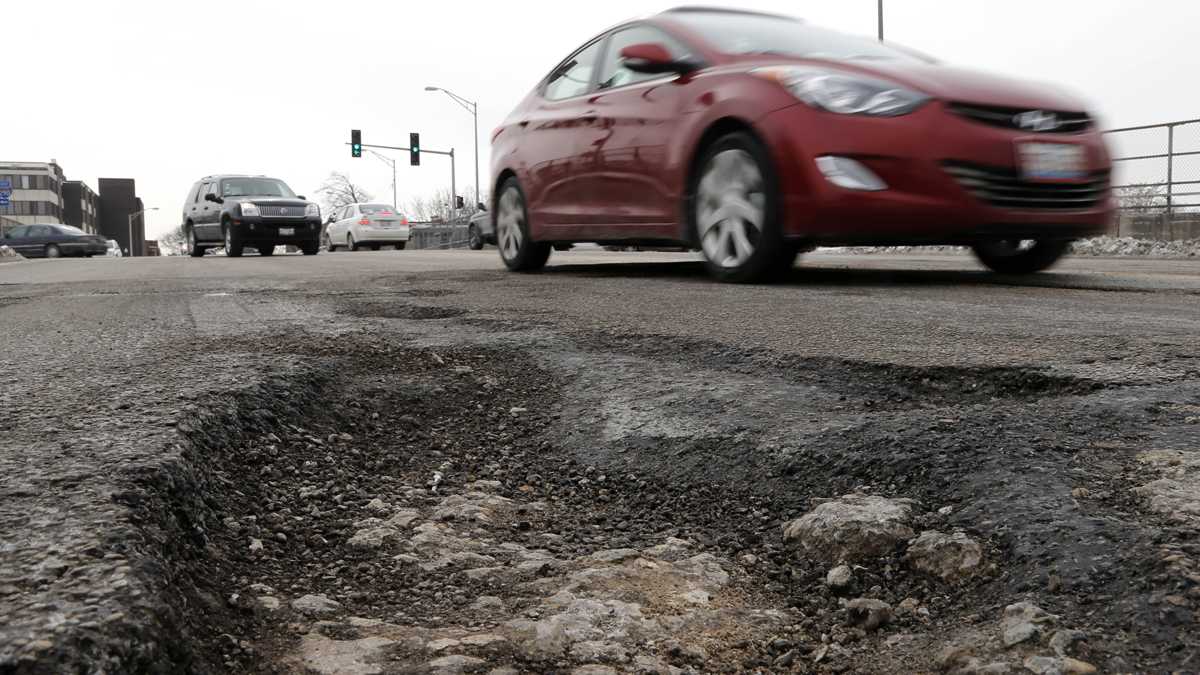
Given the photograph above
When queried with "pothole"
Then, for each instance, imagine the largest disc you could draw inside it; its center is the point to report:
(397, 310)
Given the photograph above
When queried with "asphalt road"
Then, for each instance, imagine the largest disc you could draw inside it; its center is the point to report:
(917, 376)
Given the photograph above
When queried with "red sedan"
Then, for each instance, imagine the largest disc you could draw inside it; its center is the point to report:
(752, 137)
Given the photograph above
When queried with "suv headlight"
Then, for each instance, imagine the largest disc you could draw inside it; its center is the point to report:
(249, 209)
(312, 210)
(844, 93)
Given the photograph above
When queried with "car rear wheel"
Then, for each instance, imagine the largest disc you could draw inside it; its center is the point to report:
(194, 248)
(53, 251)
(474, 239)
(1021, 256)
(350, 245)
(233, 241)
(735, 210)
(376, 247)
(518, 250)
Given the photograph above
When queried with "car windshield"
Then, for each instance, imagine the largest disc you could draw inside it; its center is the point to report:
(255, 187)
(67, 229)
(734, 33)
(376, 209)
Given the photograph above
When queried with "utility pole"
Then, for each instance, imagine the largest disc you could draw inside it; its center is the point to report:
(881, 20)
(473, 108)
(392, 163)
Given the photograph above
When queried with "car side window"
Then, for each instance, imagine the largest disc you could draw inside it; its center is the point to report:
(19, 232)
(36, 231)
(195, 197)
(574, 76)
(613, 72)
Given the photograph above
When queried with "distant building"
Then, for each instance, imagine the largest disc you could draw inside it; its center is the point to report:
(151, 248)
(81, 206)
(37, 191)
(41, 194)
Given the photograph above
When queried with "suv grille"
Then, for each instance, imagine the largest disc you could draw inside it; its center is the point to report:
(1006, 189)
(279, 211)
(997, 116)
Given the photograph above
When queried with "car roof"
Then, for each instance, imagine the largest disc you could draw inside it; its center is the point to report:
(700, 9)
(218, 176)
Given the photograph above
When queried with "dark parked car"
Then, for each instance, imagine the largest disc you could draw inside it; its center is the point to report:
(258, 212)
(52, 240)
(753, 137)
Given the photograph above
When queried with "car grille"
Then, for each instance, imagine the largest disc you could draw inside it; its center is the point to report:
(997, 116)
(278, 211)
(1005, 188)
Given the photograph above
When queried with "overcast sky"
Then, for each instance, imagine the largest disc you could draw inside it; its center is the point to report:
(165, 91)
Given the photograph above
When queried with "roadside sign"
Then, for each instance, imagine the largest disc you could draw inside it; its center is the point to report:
(5, 185)
(4, 199)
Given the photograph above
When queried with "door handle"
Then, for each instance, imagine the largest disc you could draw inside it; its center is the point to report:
(523, 123)
(589, 116)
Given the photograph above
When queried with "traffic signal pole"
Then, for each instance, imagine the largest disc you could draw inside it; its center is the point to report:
(448, 153)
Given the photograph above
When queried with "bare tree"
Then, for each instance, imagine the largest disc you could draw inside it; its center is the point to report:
(1143, 199)
(338, 191)
(173, 242)
(436, 206)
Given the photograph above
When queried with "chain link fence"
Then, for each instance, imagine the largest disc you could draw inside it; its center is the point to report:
(1157, 180)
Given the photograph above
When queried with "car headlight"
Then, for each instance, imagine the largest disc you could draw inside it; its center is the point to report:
(312, 210)
(845, 93)
(249, 209)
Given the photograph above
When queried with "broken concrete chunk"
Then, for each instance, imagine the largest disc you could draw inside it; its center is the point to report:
(952, 557)
(316, 605)
(1023, 621)
(853, 528)
(868, 614)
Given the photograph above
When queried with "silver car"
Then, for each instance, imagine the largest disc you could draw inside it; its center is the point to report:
(365, 225)
(480, 231)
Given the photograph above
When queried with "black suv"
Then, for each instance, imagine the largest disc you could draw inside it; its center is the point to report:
(249, 211)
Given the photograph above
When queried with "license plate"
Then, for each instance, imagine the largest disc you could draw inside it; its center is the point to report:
(287, 231)
(1049, 162)
(387, 224)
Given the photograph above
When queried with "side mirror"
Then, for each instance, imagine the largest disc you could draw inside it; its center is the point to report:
(329, 221)
(653, 58)
(210, 197)
(301, 197)
(480, 207)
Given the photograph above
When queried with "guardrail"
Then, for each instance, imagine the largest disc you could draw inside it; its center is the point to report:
(438, 235)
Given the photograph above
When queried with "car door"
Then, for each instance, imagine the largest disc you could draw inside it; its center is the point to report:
(36, 240)
(18, 239)
(208, 226)
(191, 204)
(627, 179)
(551, 146)
(344, 222)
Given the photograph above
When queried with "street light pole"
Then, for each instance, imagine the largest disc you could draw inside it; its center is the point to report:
(473, 108)
(392, 162)
(881, 20)
(131, 217)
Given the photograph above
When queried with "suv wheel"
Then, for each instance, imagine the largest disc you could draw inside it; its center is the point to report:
(266, 251)
(1021, 256)
(193, 247)
(518, 250)
(233, 241)
(311, 248)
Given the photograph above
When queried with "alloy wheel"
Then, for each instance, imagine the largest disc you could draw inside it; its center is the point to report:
(730, 208)
(510, 221)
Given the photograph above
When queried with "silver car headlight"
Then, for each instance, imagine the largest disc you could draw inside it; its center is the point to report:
(312, 210)
(844, 93)
(250, 209)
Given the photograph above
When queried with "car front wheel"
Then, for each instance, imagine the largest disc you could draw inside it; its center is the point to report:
(194, 248)
(735, 210)
(53, 251)
(233, 241)
(1021, 256)
(518, 250)
(311, 248)
(474, 239)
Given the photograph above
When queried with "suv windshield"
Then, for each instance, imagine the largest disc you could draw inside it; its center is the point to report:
(375, 209)
(255, 187)
(734, 33)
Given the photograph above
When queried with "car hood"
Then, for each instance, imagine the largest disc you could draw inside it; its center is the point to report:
(964, 85)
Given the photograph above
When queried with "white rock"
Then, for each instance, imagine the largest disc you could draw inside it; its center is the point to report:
(316, 605)
(455, 664)
(852, 528)
(256, 545)
(1023, 621)
(952, 557)
(839, 577)
(268, 603)
(372, 538)
(377, 505)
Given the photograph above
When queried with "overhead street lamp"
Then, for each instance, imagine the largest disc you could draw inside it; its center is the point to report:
(472, 108)
(131, 217)
(392, 163)
(881, 20)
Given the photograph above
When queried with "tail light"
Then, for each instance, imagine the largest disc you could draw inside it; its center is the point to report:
(364, 221)
(403, 220)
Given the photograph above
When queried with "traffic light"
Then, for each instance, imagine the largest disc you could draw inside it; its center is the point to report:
(459, 203)
(355, 143)
(414, 149)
